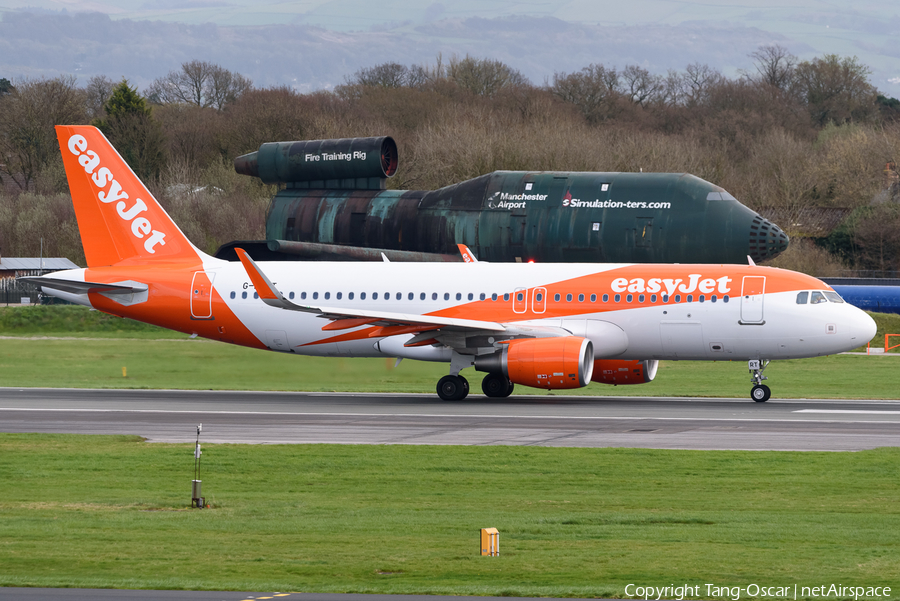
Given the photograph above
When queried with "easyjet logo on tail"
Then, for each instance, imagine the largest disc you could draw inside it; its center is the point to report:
(103, 178)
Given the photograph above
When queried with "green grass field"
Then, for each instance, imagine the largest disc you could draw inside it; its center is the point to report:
(111, 511)
(73, 347)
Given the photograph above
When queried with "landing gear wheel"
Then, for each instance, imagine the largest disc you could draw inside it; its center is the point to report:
(497, 386)
(452, 388)
(760, 393)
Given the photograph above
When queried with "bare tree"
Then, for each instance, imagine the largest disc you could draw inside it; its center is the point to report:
(775, 66)
(200, 83)
(698, 79)
(483, 77)
(593, 90)
(27, 117)
(385, 75)
(97, 92)
(640, 85)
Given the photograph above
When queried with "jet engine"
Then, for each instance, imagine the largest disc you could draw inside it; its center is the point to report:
(620, 371)
(549, 363)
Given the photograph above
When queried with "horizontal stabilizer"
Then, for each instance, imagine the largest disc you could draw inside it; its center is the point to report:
(76, 287)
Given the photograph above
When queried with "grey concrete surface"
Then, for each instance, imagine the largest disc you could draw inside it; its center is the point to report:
(272, 417)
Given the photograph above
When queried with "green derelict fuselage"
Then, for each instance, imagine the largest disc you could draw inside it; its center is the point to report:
(540, 216)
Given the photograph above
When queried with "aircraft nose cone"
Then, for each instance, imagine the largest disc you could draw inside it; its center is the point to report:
(863, 327)
(767, 240)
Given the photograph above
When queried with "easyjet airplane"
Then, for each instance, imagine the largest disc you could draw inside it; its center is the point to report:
(550, 326)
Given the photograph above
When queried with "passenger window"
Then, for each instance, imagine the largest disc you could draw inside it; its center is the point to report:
(315, 295)
(303, 296)
(399, 296)
(506, 296)
(725, 299)
(618, 298)
(677, 298)
(713, 298)
(521, 296)
(605, 298)
(446, 296)
(593, 298)
(568, 298)
(362, 296)
(374, 296)
(629, 298)
(690, 298)
(556, 297)
(255, 295)
(458, 296)
(702, 298)
(817, 297)
(350, 296)
(494, 296)
(471, 296)
(422, 296)
(641, 298)
(833, 297)
(802, 297)
(482, 296)
(539, 297)
(243, 295)
(233, 294)
(652, 298)
(580, 298)
(291, 296)
(665, 298)
(411, 296)
(338, 296)
(327, 295)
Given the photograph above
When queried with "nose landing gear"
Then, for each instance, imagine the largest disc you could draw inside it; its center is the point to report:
(760, 392)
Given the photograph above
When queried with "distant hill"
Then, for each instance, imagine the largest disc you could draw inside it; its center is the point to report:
(316, 45)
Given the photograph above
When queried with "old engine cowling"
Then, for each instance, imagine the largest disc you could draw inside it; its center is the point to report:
(620, 371)
(549, 363)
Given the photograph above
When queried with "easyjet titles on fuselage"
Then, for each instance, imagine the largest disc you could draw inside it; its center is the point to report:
(694, 283)
(103, 177)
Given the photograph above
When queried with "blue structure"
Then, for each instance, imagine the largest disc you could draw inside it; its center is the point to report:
(881, 296)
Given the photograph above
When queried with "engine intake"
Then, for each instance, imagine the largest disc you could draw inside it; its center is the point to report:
(343, 163)
(621, 371)
(549, 363)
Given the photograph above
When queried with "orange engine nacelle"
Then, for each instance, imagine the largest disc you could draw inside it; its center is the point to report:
(549, 363)
(620, 371)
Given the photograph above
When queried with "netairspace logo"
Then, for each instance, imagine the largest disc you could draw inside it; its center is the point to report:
(756, 591)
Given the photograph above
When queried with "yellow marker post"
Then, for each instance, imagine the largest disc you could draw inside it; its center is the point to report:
(124, 372)
(490, 542)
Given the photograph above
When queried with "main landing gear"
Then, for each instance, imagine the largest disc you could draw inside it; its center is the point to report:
(452, 388)
(760, 392)
(497, 386)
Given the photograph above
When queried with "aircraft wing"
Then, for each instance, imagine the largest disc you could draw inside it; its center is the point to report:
(347, 318)
(76, 287)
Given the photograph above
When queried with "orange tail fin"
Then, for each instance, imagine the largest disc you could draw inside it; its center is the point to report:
(117, 216)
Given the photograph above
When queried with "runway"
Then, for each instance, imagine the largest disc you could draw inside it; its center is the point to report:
(554, 421)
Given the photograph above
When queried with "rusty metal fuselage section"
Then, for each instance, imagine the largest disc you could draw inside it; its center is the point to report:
(522, 216)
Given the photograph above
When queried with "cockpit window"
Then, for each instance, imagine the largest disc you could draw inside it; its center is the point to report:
(817, 297)
(833, 296)
(714, 196)
(802, 298)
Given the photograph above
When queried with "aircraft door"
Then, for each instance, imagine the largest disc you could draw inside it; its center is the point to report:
(752, 295)
(201, 295)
